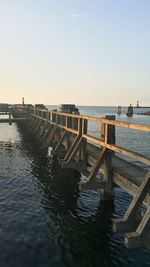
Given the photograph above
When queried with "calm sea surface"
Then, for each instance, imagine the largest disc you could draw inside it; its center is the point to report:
(45, 220)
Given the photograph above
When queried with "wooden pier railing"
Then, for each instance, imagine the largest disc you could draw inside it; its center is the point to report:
(77, 124)
(69, 136)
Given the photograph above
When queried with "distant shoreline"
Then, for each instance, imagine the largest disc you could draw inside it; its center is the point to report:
(141, 107)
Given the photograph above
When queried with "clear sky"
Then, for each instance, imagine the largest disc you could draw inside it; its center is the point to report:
(86, 52)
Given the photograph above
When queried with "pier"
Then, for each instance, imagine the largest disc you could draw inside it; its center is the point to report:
(97, 159)
(7, 110)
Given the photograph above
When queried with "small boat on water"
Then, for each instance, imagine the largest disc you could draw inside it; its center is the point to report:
(130, 111)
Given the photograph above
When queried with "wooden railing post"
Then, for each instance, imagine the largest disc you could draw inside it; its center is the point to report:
(84, 142)
(108, 136)
(47, 115)
(57, 134)
(74, 123)
(53, 117)
(68, 125)
(10, 121)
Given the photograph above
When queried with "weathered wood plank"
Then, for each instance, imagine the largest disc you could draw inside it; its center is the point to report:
(70, 150)
(120, 150)
(60, 142)
(98, 164)
(51, 136)
(140, 237)
(125, 224)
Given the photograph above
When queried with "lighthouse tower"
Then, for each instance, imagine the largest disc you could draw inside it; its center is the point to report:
(137, 104)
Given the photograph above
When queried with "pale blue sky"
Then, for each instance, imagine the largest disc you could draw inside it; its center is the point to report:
(87, 52)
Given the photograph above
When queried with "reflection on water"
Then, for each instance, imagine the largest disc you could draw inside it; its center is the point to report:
(46, 221)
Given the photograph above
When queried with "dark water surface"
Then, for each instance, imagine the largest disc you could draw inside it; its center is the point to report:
(45, 220)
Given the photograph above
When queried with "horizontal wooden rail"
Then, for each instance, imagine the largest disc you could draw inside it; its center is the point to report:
(120, 150)
(68, 129)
